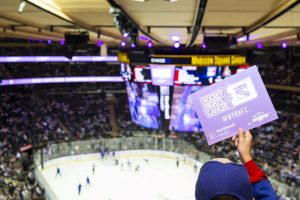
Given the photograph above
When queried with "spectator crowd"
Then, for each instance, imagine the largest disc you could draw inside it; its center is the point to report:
(276, 149)
(29, 119)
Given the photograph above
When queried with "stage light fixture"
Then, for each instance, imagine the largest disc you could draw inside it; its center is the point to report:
(123, 43)
(21, 6)
(143, 38)
(150, 44)
(62, 42)
(99, 43)
(242, 39)
(175, 38)
(284, 45)
(203, 45)
(133, 45)
(259, 45)
(125, 35)
(49, 41)
(176, 44)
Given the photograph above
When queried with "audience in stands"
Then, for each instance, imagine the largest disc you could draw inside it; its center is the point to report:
(33, 70)
(33, 118)
(280, 74)
(276, 149)
(29, 117)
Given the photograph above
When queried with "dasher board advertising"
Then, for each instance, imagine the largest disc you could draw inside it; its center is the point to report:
(239, 101)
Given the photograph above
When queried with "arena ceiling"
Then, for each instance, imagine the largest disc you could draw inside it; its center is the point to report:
(268, 21)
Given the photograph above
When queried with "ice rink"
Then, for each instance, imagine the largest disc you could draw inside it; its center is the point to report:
(158, 177)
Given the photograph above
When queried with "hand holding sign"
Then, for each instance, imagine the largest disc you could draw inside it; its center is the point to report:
(243, 142)
(238, 101)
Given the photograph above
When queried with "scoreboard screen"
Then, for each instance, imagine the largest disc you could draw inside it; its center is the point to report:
(142, 74)
(162, 75)
(126, 71)
(183, 116)
(190, 75)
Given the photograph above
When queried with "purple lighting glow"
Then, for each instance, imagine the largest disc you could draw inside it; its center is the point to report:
(49, 41)
(123, 44)
(150, 44)
(176, 44)
(133, 45)
(99, 43)
(79, 79)
(284, 45)
(21, 59)
(125, 35)
(143, 38)
(203, 45)
(259, 45)
(62, 42)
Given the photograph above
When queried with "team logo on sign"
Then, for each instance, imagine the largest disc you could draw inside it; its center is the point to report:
(242, 91)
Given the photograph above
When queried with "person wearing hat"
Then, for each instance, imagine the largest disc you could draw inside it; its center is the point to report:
(221, 179)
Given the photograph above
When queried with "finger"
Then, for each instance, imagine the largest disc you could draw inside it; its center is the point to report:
(248, 135)
(233, 138)
(236, 142)
(241, 135)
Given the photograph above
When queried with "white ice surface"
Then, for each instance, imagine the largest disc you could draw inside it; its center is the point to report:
(158, 179)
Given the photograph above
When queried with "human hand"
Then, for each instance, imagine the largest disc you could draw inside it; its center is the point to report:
(243, 142)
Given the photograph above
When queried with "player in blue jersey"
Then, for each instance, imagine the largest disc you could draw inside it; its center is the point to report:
(58, 172)
(79, 189)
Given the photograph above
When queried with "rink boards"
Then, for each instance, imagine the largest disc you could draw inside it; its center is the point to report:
(158, 171)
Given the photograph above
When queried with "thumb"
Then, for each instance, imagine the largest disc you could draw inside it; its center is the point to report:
(241, 135)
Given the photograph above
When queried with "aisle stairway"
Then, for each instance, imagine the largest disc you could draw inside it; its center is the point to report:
(113, 122)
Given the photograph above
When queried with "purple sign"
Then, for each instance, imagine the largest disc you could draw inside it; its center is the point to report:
(239, 101)
(162, 75)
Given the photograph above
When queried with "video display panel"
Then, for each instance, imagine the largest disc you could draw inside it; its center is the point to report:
(162, 75)
(142, 74)
(183, 116)
(191, 75)
(126, 71)
(143, 104)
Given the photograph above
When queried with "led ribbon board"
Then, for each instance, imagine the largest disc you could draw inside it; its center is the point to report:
(199, 60)
(79, 79)
(16, 59)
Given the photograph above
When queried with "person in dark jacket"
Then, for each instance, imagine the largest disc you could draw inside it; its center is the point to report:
(221, 179)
